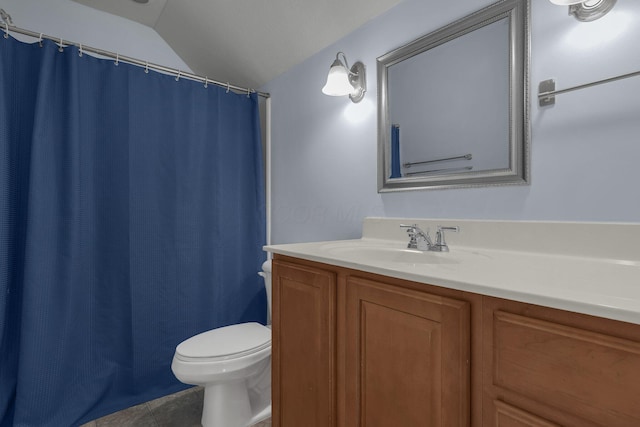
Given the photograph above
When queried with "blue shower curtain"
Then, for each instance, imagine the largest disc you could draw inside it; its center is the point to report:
(131, 217)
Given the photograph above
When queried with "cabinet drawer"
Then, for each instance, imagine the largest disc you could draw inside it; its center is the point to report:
(579, 372)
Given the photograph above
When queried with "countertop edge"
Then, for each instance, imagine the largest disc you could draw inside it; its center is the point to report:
(599, 310)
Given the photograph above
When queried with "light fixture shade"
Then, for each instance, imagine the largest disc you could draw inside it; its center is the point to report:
(343, 81)
(338, 81)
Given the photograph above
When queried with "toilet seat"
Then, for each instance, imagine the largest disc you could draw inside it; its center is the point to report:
(229, 342)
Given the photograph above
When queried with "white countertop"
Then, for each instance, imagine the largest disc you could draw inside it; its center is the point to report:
(590, 268)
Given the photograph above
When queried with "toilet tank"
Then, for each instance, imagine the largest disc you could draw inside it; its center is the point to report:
(266, 275)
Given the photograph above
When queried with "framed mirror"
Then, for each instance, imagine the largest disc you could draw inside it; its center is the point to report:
(453, 105)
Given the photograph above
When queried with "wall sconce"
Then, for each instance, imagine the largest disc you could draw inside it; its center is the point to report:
(343, 81)
(587, 10)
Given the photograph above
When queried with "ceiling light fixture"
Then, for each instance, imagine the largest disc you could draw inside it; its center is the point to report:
(343, 80)
(586, 10)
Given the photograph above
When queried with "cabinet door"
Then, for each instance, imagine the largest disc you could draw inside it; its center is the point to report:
(407, 357)
(303, 345)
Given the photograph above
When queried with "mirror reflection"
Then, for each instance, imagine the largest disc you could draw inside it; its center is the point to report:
(452, 108)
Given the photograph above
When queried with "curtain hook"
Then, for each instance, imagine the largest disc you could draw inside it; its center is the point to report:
(117, 59)
(146, 67)
(178, 76)
(248, 92)
(61, 45)
(206, 81)
(80, 51)
(40, 40)
(227, 87)
(6, 30)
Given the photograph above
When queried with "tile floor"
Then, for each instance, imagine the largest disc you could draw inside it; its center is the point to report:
(182, 409)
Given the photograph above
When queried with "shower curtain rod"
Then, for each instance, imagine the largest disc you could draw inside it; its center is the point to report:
(144, 64)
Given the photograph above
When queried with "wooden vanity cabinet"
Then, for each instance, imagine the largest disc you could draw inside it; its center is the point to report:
(354, 349)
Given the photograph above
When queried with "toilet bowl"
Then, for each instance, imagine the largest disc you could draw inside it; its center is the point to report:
(233, 364)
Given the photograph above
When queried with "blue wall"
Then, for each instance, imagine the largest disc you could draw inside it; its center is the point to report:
(585, 150)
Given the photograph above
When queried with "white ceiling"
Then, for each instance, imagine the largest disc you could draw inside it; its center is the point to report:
(247, 42)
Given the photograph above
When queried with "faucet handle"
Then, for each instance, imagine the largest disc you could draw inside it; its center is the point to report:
(441, 244)
(408, 226)
(455, 229)
(418, 239)
(411, 230)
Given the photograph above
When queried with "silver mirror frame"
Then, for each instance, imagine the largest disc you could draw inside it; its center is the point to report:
(517, 12)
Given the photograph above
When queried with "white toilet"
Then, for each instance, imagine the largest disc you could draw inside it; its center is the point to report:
(233, 364)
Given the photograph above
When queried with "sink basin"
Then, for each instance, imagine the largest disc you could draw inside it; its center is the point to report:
(384, 254)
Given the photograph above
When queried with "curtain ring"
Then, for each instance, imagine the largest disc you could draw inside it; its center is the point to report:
(227, 87)
(178, 76)
(40, 40)
(248, 92)
(146, 67)
(61, 46)
(80, 51)
(6, 30)
(117, 59)
(206, 81)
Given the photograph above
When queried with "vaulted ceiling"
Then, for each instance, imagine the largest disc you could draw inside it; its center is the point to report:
(246, 42)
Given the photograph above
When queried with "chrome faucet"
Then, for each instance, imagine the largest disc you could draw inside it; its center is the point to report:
(421, 240)
(418, 239)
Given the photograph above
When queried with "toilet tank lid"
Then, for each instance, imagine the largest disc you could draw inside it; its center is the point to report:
(226, 341)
